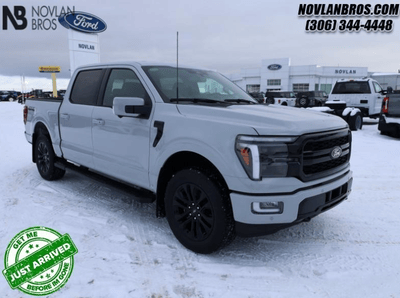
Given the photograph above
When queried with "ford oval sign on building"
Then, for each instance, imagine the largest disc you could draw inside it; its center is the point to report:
(274, 67)
(83, 22)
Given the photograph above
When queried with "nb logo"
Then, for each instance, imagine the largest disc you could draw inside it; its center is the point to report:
(17, 18)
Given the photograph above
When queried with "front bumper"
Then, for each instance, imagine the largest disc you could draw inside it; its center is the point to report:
(298, 206)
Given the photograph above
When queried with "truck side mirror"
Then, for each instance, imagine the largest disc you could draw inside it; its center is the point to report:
(130, 107)
(389, 90)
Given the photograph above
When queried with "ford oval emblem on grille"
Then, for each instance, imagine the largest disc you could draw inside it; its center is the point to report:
(336, 152)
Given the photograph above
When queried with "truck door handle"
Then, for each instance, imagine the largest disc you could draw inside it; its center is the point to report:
(64, 116)
(98, 121)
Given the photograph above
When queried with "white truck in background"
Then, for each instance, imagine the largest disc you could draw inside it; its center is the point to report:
(284, 98)
(363, 94)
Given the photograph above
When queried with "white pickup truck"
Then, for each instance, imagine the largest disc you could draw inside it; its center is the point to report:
(217, 163)
(364, 94)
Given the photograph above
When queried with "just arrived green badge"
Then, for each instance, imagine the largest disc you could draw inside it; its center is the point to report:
(39, 261)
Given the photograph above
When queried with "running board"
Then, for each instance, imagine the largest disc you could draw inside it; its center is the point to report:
(138, 194)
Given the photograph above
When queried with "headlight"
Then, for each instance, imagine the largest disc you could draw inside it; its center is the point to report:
(264, 156)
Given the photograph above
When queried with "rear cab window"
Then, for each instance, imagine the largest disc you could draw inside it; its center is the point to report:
(353, 87)
(86, 87)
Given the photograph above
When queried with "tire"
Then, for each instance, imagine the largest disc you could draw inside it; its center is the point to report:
(284, 103)
(45, 159)
(212, 225)
(356, 121)
(270, 100)
(304, 101)
(10, 99)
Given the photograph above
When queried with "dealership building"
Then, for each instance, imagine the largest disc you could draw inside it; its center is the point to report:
(279, 74)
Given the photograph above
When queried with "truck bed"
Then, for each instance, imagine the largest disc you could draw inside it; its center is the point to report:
(44, 110)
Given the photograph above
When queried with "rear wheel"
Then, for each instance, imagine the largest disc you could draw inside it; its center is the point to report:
(356, 121)
(199, 211)
(304, 102)
(45, 159)
(270, 100)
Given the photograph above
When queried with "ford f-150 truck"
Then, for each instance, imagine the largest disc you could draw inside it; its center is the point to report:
(217, 163)
(365, 94)
(389, 120)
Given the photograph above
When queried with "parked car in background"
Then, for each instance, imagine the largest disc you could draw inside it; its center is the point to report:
(284, 98)
(259, 96)
(61, 92)
(8, 95)
(35, 93)
(311, 99)
(389, 119)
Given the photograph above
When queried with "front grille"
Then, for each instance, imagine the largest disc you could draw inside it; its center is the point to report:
(330, 143)
(323, 166)
(317, 153)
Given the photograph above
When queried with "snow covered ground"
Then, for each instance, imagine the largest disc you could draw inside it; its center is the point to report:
(352, 250)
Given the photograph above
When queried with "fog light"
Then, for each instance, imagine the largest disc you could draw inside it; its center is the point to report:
(267, 207)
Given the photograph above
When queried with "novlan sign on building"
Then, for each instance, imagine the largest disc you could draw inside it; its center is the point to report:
(83, 37)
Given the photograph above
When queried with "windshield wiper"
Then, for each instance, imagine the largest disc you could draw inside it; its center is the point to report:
(195, 100)
(239, 100)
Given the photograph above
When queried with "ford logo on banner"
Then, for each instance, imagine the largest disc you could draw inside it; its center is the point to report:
(83, 22)
(274, 67)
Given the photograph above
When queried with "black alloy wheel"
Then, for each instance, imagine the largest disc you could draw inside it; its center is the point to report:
(193, 211)
(198, 211)
(45, 159)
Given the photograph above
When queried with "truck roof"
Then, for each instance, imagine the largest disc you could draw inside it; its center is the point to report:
(139, 64)
(356, 80)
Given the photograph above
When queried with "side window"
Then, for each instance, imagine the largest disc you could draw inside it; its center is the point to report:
(124, 83)
(377, 87)
(86, 87)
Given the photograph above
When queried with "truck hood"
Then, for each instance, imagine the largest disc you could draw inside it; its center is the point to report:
(266, 120)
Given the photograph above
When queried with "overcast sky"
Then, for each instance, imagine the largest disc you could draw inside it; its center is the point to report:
(217, 34)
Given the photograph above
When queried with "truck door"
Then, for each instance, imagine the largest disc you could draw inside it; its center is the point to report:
(376, 104)
(76, 117)
(121, 145)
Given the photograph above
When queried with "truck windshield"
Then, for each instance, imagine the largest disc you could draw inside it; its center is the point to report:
(352, 87)
(195, 85)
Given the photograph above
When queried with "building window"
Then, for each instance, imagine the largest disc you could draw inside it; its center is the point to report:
(301, 87)
(276, 82)
(252, 88)
(316, 87)
(326, 87)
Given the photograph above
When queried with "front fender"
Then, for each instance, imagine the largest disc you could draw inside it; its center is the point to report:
(221, 153)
